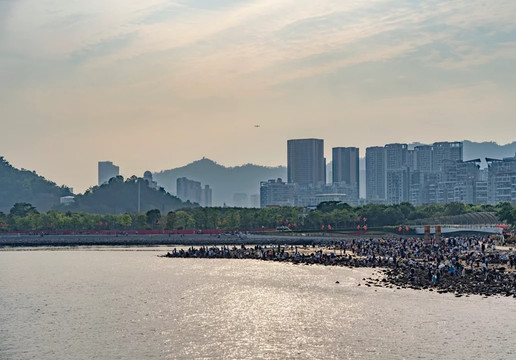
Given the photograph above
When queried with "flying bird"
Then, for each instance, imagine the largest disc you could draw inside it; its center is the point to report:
(257, 126)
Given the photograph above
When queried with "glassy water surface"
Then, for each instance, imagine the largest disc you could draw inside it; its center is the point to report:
(134, 305)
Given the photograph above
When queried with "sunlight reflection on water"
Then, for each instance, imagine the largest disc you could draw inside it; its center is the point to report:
(120, 305)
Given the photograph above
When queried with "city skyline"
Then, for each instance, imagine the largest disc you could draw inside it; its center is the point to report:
(394, 173)
(328, 148)
(87, 81)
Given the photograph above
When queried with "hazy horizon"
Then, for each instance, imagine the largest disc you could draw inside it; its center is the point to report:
(158, 84)
(126, 174)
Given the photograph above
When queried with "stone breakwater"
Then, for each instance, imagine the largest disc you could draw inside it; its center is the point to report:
(39, 240)
(458, 266)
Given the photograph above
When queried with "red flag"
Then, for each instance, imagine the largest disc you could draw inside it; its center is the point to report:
(322, 227)
(407, 228)
(400, 228)
(295, 225)
(329, 227)
(100, 223)
(358, 227)
(357, 219)
(365, 219)
(365, 227)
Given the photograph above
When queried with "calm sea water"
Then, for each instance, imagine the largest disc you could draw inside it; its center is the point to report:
(134, 305)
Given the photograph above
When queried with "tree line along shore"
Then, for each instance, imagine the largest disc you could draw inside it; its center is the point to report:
(328, 216)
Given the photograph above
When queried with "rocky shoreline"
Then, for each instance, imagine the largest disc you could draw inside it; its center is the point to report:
(500, 284)
(486, 273)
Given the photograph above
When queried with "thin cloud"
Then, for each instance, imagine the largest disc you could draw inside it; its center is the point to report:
(148, 72)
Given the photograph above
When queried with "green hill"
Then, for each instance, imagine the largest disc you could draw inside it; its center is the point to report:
(18, 186)
(119, 196)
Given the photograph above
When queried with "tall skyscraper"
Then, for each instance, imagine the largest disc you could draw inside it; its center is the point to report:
(305, 162)
(345, 167)
(375, 174)
(107, 171)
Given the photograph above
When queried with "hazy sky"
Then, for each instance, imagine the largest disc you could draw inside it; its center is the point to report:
(155, 84)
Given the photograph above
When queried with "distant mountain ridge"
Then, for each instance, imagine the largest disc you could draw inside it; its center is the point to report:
(476, 150)
(225, 181)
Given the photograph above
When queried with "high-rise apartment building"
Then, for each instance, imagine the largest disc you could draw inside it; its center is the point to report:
(276, 193)
(305, 162)
(442, 174)
(206, 196)
(427, 174)
(345, 167)
(502, 180)
(396, 156)
(411, 159)
(397, 173)
(423, 158)
(442, 151)
(375, 174)
(189, 190)
(106, 171)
